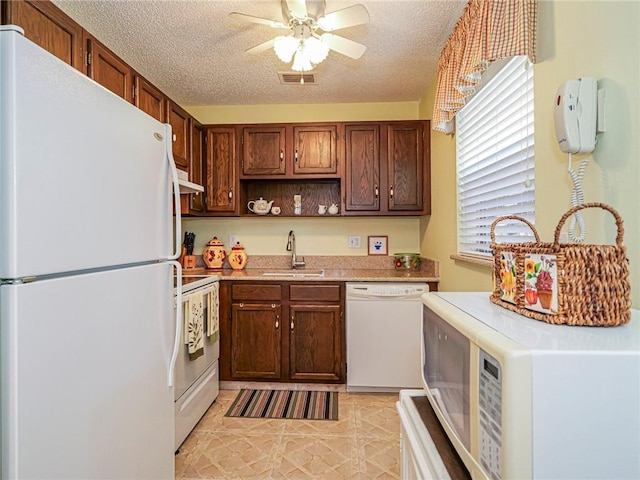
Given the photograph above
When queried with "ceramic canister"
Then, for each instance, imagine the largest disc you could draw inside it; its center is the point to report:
(214, 254)
(237, 257)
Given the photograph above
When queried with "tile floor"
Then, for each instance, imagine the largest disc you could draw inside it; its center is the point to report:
(363, 444)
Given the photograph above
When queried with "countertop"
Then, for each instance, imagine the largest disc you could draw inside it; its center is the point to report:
(336, 268)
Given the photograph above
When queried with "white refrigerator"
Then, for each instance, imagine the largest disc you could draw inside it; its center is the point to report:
(88, 333)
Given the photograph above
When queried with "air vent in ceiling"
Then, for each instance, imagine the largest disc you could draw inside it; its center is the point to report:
(295, 78)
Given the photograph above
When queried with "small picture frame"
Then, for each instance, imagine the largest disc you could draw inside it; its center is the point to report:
(377, 245)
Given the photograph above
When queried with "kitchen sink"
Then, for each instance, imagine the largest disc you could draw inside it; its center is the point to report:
(293, 273)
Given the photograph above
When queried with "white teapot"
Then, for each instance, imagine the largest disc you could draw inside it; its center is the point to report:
(260, 206)
(333, 209)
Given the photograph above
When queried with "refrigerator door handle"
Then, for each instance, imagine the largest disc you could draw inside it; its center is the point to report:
(178, 319)
(176, 192)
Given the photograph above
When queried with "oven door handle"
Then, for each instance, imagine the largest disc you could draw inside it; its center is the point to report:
(178, 326)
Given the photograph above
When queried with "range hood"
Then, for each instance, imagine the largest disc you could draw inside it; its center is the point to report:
(186, 186)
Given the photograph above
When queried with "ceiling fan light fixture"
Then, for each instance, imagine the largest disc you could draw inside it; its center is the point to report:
(301, 62)
(305, 52)
(317, 49)
(285, 47)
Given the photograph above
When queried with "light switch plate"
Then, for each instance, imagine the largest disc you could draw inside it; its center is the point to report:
(354, 241)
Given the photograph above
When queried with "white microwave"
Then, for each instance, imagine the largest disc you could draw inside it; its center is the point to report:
(522, 399)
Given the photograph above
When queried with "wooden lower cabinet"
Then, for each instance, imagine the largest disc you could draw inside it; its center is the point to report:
(314, 343)
(255, 340)
(282, 331)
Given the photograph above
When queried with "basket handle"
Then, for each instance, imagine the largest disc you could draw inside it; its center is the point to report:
(613, 211)
(512, 217)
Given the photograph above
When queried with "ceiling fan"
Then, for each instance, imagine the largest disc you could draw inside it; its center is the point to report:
(310, 37)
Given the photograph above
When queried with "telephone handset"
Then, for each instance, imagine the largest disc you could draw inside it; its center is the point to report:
(575, 115)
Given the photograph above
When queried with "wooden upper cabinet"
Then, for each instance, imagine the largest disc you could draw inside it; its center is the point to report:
(221, 170)
(149, 99)
(362, 164)
(263, 150)
(387, 168)
(179, 120)
(315, 149)
(196, 168)
(405, 167)
(48, 26)
(108, 70)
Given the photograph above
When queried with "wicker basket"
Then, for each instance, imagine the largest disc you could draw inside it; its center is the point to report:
(582, 284)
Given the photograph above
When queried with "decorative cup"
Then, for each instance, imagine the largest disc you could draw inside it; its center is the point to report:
(275, 210)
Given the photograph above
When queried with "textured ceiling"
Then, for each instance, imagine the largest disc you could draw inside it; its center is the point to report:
(195, 53)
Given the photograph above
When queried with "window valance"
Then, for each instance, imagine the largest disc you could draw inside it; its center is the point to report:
(487, 31)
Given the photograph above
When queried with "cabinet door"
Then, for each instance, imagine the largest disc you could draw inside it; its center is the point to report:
(315, 149)
(179, 121)
(221, 165)
(405, 167)
(255, 341)
(149, 99)
(362, 177)
(108, 70)
(196, 168)
(314, 342)
(48, 26)
(263, 150)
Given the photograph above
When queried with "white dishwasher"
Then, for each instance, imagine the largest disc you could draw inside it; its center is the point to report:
(383, 323)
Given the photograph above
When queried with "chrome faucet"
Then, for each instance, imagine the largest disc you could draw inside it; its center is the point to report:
(291, 247)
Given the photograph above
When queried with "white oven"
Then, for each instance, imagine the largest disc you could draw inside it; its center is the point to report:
(197, 376)
(520, 398)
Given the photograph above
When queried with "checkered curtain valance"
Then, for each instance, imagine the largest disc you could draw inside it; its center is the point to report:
(487, 30)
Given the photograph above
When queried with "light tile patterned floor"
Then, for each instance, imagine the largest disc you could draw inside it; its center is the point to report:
(363, 444)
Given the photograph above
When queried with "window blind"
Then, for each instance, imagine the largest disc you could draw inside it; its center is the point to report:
(495, 162)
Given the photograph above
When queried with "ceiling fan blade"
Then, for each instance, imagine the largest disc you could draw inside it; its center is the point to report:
(261, 21)
(344, 46)
(347, 17)
(261, 47)
(297, 8)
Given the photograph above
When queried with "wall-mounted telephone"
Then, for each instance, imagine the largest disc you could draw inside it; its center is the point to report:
(575, 115)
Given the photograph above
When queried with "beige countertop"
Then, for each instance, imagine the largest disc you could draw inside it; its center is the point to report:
(336, 268)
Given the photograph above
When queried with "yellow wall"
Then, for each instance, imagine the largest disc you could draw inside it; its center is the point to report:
(328, 112)
(575, 39)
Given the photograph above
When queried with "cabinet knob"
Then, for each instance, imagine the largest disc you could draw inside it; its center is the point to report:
(277, 321)
(175, 137)
(296, 155)
(391, 191)
(292, 323)
(281, 155)
(230, 193)
(375, 187)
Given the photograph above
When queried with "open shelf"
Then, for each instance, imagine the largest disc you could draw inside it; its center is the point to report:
(313, 192)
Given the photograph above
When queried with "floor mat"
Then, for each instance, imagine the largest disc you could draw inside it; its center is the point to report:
(300, 404)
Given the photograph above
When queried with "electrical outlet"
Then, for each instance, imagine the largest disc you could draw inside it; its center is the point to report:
(233, 239)
(354, 241)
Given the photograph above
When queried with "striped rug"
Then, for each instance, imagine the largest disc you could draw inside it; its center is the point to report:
(285, 404)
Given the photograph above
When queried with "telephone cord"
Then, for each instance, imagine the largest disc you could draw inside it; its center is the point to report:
(577, 198)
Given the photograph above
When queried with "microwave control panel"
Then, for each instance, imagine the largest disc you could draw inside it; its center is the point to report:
(490, 403)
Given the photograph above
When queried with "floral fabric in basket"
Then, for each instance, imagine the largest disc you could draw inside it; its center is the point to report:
(541, 283)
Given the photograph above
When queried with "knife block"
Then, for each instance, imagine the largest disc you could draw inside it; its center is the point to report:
(188, 261)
